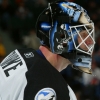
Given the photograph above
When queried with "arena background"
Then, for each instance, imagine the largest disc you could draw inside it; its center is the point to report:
(17, 30)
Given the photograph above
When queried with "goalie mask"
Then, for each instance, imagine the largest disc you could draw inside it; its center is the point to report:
(66, 28)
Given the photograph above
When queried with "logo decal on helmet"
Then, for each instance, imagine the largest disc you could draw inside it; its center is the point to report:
(45, 26)
(46, 94)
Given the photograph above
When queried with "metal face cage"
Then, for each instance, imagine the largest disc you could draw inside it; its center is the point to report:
(83, 37)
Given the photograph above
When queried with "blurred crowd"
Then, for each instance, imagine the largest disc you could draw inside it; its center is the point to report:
(17, 22)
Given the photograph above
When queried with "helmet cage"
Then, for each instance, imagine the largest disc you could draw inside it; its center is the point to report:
(89, 30)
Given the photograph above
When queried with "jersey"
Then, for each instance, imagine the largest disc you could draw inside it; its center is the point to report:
(26, 75)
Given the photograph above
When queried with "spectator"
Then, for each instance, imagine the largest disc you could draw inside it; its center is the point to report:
(2, 50)
(6, 12)
(31, 40)
(92, 83)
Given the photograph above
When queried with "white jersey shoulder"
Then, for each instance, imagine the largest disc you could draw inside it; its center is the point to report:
(13, 80)
(71, 94)
(12, 77)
